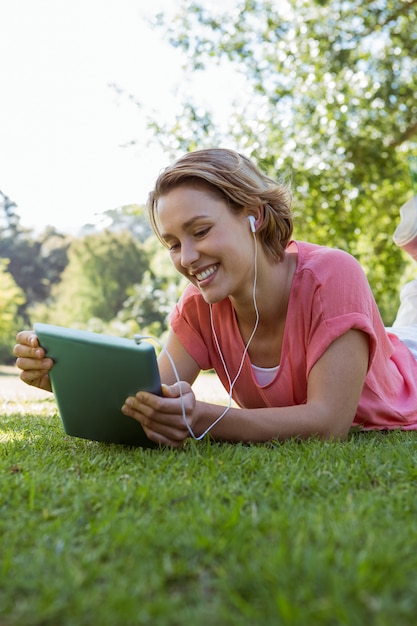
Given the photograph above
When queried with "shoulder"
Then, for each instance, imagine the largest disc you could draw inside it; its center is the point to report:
(312, 254)
(326, 263)
(191, 303)
(192, 307)
(331, 295)
(191, 298)
(331, 283)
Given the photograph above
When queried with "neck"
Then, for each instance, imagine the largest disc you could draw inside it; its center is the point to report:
(272, 293)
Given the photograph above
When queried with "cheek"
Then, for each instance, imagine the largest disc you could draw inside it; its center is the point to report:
(176, 262)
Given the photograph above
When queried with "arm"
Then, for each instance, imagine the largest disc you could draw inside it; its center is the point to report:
(187, 368)
(334, 388)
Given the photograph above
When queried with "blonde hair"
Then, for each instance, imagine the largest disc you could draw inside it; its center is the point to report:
(235, 179)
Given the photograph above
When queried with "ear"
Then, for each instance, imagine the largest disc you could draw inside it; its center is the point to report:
(256, 218)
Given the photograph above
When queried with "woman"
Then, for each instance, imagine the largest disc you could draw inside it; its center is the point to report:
(291, 328)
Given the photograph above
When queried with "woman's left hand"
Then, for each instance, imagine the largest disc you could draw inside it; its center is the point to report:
(162, 417)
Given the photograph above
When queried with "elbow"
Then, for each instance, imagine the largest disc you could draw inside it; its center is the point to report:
(332, 434)
(331, 426)
(326, 434)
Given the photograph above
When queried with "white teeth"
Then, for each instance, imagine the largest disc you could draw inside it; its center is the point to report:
(206, 273)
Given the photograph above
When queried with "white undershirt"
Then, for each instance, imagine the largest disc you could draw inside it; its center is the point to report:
(264, 375)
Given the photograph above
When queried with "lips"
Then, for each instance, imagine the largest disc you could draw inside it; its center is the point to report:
(206, 273)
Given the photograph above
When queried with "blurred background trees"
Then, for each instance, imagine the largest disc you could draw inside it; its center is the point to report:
(95, 281)
(328, 103)
(11, 298)
(35, 261)
(111, 278)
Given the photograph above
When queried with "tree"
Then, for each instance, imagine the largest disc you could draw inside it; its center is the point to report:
(150, 302)
(34, 262)
(101, 269)
(9, 219)
(329, 104)
(11, 299)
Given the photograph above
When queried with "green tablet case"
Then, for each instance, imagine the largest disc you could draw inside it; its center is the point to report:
(92, 376)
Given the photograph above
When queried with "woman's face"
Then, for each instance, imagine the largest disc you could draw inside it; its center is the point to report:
(211, 246)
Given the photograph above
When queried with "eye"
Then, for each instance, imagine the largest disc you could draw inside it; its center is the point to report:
(202, 232)
(171, 244)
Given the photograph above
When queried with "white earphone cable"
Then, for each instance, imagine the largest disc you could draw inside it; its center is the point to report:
(232, 384)
(139, 338)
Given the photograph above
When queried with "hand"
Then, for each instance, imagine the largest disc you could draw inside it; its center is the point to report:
(162, 416)
(32, 361)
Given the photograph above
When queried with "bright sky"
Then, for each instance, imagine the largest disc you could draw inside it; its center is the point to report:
(62, 127)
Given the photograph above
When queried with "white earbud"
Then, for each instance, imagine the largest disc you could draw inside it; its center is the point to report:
(252, 223)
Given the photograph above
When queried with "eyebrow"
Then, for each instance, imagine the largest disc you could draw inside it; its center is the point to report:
(187, 224)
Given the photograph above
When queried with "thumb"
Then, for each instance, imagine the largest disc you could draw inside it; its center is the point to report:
(175, 390)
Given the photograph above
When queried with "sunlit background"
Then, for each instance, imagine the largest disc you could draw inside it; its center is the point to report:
(79, 80)
(97, 96)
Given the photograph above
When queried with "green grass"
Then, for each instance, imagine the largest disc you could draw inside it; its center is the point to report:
(300, 533)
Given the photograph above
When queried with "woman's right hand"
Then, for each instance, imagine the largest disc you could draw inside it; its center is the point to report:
(32, 361)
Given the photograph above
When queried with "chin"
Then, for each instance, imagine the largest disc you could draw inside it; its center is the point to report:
(212, 298)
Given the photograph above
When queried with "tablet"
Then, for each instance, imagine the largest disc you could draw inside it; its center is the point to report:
(92, 376)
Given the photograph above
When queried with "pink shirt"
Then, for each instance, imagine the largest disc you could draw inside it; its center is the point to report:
(329, 296)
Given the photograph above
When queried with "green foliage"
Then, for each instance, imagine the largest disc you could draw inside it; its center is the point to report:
(292, 534)
(11, 299)
(102, 268)
(149, 302)
(117, 281)
(329, 103)
(35, 262)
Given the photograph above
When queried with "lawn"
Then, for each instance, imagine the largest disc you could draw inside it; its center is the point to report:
(300, 533)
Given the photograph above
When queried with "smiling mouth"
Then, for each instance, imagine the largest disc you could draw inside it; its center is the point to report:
(200, 276)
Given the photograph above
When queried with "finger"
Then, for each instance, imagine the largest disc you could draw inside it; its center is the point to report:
(162, 440)
(161, 434)
(31, 352)
(28, 337)
(172, 405)
(176, 390)
(36, 379)
(34, 364)
(170, 426)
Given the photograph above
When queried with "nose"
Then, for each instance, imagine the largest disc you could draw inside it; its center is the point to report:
(189, 253)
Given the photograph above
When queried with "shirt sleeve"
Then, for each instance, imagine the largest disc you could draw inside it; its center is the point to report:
(190, 320)
(341, 300)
